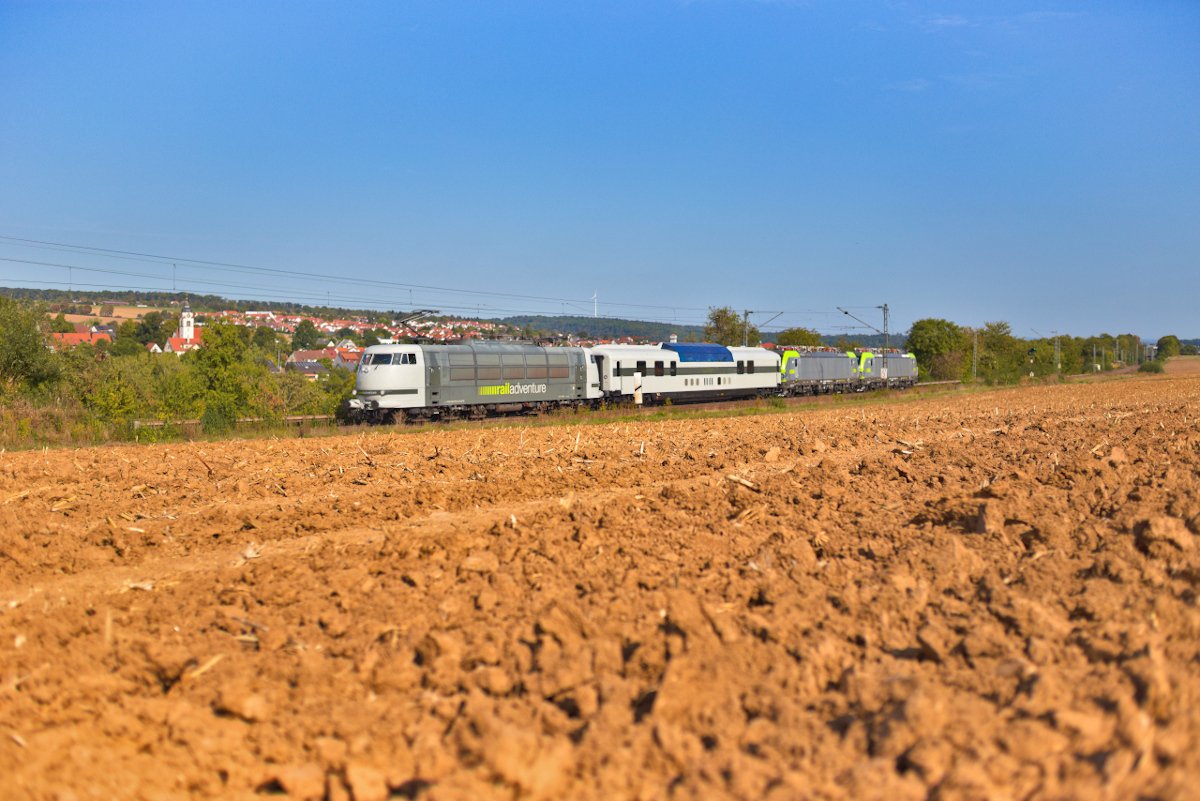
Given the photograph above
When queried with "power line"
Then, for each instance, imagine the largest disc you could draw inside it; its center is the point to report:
(234, 267)
(165, 260)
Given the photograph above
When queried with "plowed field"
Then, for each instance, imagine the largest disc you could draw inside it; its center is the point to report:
(986, 596)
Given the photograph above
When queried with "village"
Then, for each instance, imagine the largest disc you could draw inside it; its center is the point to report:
(322, 342)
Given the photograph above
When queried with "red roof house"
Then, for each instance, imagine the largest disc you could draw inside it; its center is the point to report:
(84, 338)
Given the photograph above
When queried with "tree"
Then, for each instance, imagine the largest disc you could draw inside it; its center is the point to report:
(798, 337)
(229, 374)
(126, 346)
(1002, 357)
(25, 361)
(59, 325)
(306, 336)
(155, 327)
(126, 341)
(264, 338)
(370, 338)
(1168, 346)
(726, 327)
(940, 347)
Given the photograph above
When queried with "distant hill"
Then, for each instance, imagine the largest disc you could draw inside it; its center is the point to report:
(604, 327)
(861, 340)
(61, 299)
(612, 328)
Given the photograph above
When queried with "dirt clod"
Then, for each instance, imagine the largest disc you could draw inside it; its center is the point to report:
(990, 595)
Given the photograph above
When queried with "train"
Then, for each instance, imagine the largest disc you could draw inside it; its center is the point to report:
(481, 378)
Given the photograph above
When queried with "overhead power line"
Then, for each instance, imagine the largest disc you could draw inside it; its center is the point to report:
(678, 315)
(174, 261)
(234, 267)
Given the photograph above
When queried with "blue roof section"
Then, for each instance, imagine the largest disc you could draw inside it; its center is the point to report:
(699, 351)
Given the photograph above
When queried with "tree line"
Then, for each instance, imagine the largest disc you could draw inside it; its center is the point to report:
(946, 351)
(993, 354)
(96, 392)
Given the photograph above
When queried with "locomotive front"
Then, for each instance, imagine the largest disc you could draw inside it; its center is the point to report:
(390, 379)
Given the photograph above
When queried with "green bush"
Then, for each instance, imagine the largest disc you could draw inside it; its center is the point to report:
(1151, 367)
(220, 413)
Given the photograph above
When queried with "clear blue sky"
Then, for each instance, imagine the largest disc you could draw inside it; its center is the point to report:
(1035, 162)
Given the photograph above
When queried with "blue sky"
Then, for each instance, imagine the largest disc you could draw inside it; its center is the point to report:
(1032, 162)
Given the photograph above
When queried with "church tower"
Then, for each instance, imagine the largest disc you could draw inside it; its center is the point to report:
(187, 323)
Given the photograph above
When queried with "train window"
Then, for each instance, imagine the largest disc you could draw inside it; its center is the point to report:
(559, 371)
(658, 368)
(378, 358)
(749, 367)
(514, 367)
(641, 368)
(462, 373)
(405, 358)
(616, 369)
(741, 367)
(673, 368)
(535, 365)
(487, 372)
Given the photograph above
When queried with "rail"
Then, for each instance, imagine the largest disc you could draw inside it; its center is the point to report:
(292, 419)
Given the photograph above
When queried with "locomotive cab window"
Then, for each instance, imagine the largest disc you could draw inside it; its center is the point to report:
(405, 358)
(378, 358)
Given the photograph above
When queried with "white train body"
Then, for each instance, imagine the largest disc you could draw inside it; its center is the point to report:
(478, 379)
(682, 372)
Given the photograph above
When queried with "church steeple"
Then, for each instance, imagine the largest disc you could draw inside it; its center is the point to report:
(187, 323)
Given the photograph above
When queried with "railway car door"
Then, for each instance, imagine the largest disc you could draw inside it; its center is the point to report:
(433, 378)
(602, 372)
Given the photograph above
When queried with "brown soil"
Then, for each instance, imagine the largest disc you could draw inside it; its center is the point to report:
(1183, 365)
(991, 596)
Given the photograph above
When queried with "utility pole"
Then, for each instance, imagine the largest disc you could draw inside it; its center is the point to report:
(886, 338)
(887, 343)
(975, 356)
(746, 324)
(1057, 353)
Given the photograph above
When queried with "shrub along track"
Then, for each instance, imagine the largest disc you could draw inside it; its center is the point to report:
(988, 596)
